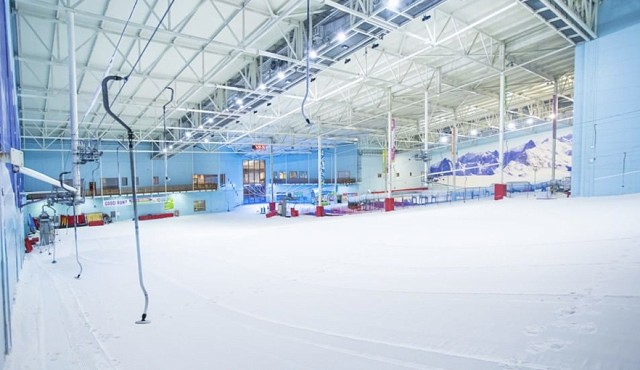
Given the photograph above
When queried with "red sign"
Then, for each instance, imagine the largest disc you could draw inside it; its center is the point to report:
(259, 146)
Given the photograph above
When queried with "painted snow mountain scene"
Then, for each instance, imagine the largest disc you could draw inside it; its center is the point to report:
(530, 162)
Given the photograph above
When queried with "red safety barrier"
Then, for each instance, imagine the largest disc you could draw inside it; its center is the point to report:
(320, 211)
(500, 191)
(389, 204)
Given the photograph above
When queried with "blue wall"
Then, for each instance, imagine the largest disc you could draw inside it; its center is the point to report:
(115, 160)
(12, 246)
(606, 155)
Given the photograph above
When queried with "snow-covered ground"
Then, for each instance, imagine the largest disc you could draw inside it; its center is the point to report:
(516, 284)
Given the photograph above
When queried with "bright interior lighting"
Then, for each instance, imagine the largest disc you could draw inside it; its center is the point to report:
(393, 4)
(529, 121)
(239, 101)
(341, 36)
(188, 134)
(473, 132)
(210, 120)
(552, 116)
(200, 126)
(511, 126)
(313, 54)
(171, 146)
(206, 140)
(164, 150)
(262, 86)
(444, 139)
(281, 75)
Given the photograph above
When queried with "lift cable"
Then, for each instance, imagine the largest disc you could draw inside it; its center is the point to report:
(306, 92)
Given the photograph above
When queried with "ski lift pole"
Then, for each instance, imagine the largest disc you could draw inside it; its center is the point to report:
(164, 136)
(75, 222)
(107, 108)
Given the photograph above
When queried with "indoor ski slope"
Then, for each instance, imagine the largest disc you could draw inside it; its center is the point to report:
(515, 284)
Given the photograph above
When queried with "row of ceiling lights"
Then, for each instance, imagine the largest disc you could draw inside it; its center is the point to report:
(340, 37)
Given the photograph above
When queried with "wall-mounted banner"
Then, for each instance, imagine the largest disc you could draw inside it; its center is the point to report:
(141, 200)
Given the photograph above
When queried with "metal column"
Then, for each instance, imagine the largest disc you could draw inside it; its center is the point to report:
(73, 104)
(501, 135)
(389, 145)
(426, 137)
(554, 134)
(273, 199)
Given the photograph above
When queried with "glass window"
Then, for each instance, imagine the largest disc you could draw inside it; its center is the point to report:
(199, 205)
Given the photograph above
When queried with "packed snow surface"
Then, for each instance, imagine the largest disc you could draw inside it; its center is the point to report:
(521, 283)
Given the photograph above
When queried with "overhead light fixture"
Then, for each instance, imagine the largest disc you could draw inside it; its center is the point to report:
(206, 139)
(262, 86)
(188, 134)
(288, 81)
(444, 139)
(239, 101)
(200, 127)
(374, 45)
(164, 150)
(511, 126)
(393, 4)
(473, 132)
(341, 36)
(529, 121)
(347, 60)
(313, 54)
(280, 75)
(426, 17)
(552, 116)
(345, 47)
(171, 146)
(210, 120)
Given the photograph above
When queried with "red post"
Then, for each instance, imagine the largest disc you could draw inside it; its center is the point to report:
(500, 191)
(389, 204)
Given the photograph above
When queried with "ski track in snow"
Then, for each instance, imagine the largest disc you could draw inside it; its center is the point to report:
(498, 361)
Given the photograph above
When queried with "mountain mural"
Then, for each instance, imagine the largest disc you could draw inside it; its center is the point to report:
(517, 162)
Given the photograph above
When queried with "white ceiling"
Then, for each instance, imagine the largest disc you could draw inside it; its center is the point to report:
(212, 52)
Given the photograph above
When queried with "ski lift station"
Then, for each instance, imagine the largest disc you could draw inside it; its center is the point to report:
(320, 184)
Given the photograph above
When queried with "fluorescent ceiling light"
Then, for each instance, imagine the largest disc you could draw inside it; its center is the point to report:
(313, 54)
(473, 132)
(341, 36)
(444, 139)
(393, 4)
(262, 86)
(281, 75)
